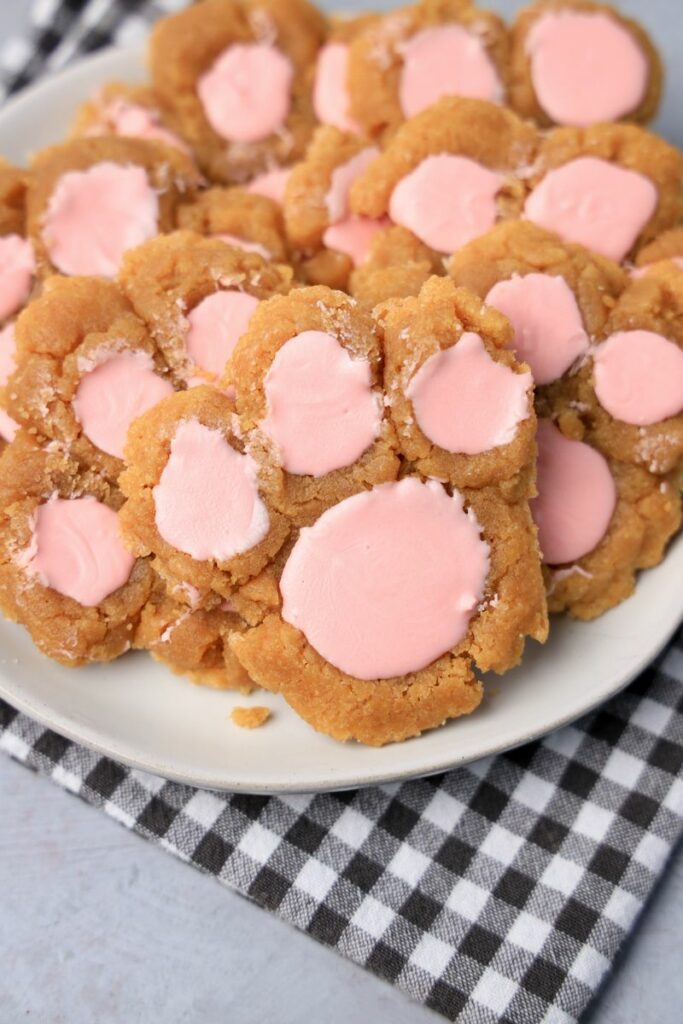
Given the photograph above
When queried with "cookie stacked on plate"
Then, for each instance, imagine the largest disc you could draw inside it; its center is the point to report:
(336, 356)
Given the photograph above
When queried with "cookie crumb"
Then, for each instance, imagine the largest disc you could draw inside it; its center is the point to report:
(250, 718)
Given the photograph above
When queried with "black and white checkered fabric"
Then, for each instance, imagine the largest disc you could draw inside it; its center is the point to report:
(499, 893)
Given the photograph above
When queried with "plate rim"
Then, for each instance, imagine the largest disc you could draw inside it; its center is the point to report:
(107, 746)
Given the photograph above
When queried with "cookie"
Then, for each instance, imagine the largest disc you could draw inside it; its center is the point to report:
(389, 599)
(91, 200)
(574, 62)
(449, 173)
(667, 247)
(64, 572)
(197, 295)
(8, 363)
(610, 187)
(130, 111)
(192, 642)
(307, 375)
(239, 218)
(599, 521)
(237, 77)
(86, 367)
(194, 498)
(461, 404)
(13, 185)
(331, 95)
(397, 266)
(407, 60)
(328, 239)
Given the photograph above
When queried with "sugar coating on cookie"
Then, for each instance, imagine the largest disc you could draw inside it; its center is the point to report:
(322, 413)
(465, 402)
(17, 271)
(596, 203)
(76, 549)
(576, 496)
(233, 520)
(585, 66)
(549, 331)
(345, 583)
(639, 377)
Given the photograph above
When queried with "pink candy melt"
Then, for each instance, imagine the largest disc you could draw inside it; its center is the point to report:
(246, 94)
(322, 413)
(549, 332)
(330, 92)
(244, 244)
(271, 184)
(446, 201)
(585, 67)
(76, 550)
(639, 377)
(134, 121)
(215, 327)
(598, 204)
(17, 267)
(465, 402)
(343, 177)
(207, 500)
(8, 427)
(446, 61)
(353, 237)
(94, 216)
(387, 581)
(576, 496)
(120, 388)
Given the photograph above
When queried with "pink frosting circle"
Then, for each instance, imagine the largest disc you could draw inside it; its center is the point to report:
(387, 581)
(8, 364)
(76, 549)
(17, 269)
(576, 496)
(639, 377)
(446, 201)
(135, 121)
(120, 387)
(244, 244)
(321, 411)
(216, 324)
(246, 93)
(446, 60)
(549, 331)
(330, 91)
(353, 237)
(270, 184)
(207, 500)
(94, 216)
(585, 67)
(595, 203)
(466, 402)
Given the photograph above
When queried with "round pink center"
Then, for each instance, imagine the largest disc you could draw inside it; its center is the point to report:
(207, 500)
(270, 184)
(17, 267)
(94, 216)
(585, 67)
(576, 496)
(76, 549)
(246, 94)
(322, 412)
(596, 203)
(216, 325)
(387, 581)
(330, 92)
(466, 402)
(446, 201)
(446, 61)
(549, 331)
(121, 387)
(134, 121)
(639, 377)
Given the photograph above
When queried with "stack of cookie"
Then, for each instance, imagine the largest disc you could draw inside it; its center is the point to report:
(336, 357)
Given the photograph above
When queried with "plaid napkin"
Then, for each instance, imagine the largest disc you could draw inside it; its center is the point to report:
(499, 893)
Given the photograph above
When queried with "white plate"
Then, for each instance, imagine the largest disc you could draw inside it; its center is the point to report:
(137, 712)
